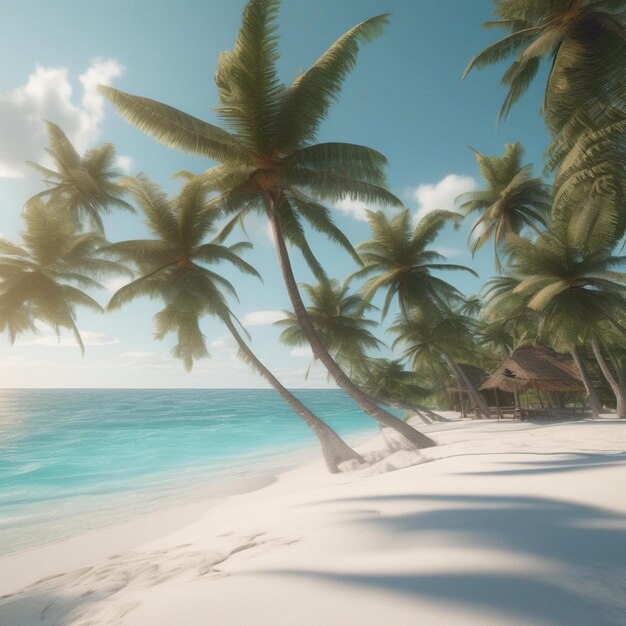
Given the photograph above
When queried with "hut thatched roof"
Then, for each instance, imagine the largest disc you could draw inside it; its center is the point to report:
(535, 367)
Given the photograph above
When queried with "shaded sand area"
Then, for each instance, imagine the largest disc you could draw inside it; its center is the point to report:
(502, 524)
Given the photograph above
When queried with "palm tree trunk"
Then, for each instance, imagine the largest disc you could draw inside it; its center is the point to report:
(477, 399)
(334, 449)
(594, 401)
(418, 439)
(618, 391)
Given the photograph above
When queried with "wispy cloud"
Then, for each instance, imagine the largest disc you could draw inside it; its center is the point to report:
(262, 318)
(125, 163)
(67, 340)
(114, 284)
(48, 95)
(441, 195)
(302, 351)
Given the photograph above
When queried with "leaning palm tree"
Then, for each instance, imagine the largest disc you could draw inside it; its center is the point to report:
(512, 200)
(43, 279)
(268, 159)
(86, 186)
(399, 256)
(583, 40)
(571, 291)
(338, 319)
(174, 268)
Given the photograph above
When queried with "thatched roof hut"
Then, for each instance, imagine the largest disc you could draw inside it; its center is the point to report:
(535, 367)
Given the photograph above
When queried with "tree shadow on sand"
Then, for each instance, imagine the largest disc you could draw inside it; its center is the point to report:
(586, 545)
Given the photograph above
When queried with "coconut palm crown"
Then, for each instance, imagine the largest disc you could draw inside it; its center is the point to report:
(399, 256)
(583, 40)
(173, 267)
(86, 186)
(43, 280)
(338, 317)
(512, 200)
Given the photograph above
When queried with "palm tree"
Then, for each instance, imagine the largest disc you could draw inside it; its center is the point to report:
(173, 268)
(584, 41)
(86, 186)
(589, 163)
(43, 279)
(512, 200)
(427, 337)
(572, 292)
(337, 317)
(583, 105)
(605, 341)
(269, 161)
(389, 382)
(403, 265)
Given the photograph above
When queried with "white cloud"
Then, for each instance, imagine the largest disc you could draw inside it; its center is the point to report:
(67, 339)
(441, 195)
(114, 284)
(262, 318)
(303, 351)
(48, 95)
(125, 163)
(353, 208)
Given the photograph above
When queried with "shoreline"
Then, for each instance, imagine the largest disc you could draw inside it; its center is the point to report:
(551, 517)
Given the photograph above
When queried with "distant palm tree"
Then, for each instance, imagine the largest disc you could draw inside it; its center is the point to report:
(399, 256)
(512, 201)
(428, 337)
(43, 279)
(85, 186)
(391, 383)
(583, 40)
(174, 268)
(338, 318)
(571, 292)
(269, 160)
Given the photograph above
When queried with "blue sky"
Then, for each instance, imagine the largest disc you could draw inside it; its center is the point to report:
(405, 98)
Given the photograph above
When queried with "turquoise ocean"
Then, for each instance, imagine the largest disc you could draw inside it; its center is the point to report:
(76, 459)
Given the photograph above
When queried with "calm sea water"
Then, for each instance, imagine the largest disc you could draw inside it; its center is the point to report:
(71, 460)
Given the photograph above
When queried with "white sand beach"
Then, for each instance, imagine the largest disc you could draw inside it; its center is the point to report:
(510, 523)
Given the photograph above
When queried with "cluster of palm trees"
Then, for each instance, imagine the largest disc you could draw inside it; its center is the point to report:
(559, 281)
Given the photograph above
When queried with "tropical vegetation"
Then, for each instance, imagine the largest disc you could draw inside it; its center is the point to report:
(557, 238)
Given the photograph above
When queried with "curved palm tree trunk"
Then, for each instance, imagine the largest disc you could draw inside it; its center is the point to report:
(594, 401)
(477, 399)
(334, 449)
(618, 391)
(418, 439)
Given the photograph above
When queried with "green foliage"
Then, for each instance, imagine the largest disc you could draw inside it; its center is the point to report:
(268, 160)
(85, 186)
(584, 40)
(570, 292)
(403, 265)
(173, 267)
(512, 201)
(338, 318)
(43, 279)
